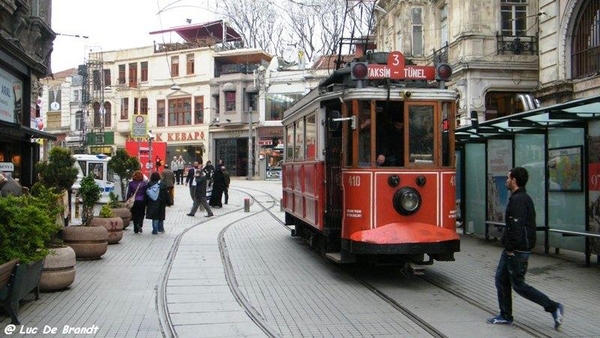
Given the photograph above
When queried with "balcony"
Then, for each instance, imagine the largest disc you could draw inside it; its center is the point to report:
(517, 44)
(441, 55)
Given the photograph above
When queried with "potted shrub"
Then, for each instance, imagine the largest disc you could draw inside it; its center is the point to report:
(119, 210)
(112, 223)
(58, 173)
(88, 242)
(27, 225)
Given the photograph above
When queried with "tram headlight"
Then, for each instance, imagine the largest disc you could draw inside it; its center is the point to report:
(407, 201)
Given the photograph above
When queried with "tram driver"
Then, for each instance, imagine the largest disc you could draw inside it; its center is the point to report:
(390, 143)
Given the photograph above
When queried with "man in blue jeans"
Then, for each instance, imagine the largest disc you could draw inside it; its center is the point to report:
(518, 239)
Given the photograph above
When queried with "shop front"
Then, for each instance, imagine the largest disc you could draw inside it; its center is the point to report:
(270, 152)
(188, 144)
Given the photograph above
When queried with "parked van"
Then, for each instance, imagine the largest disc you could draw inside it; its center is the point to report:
(97, 165)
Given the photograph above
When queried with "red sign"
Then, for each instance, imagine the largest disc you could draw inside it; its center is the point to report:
(396, 63)
(409, 72)
(141, 150)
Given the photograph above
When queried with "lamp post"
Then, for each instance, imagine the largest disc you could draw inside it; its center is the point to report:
(250, 157)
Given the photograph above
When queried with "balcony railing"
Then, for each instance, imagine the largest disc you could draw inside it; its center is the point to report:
(517, 44)
(441, 55)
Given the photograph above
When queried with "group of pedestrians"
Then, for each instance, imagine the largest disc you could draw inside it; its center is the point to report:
(177, 166)
(146, 207)
(202, 180)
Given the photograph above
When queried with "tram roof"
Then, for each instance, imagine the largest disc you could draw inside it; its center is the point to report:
(570, 114)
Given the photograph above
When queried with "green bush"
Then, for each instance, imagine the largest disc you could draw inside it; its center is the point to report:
(113, 200)
(89, 192)
(106, 211)
(27, 226)
(59, 171)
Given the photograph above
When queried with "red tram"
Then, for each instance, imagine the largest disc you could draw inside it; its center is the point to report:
(369, 168)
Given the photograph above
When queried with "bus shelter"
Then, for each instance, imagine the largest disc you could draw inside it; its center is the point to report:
(559, 145)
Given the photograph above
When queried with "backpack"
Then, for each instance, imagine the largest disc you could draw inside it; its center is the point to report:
(153, 191)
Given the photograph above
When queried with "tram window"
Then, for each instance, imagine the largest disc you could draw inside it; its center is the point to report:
(364, 137)
(420, 134)
(311, 137)
(390, 136)
(299, 141)
(289, 143)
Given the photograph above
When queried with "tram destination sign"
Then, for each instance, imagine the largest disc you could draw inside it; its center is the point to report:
(396, 69)
(409, 73)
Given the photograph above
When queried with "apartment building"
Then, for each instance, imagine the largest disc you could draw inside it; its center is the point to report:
(507, 55)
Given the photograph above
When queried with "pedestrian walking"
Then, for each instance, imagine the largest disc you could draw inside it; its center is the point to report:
(168, 176)
(218, 186)
(200, 194)
(189, 180)
(156, 208)
(174, 166)
(518, 239)
(179, 172)
(226, 180)
(137, 186)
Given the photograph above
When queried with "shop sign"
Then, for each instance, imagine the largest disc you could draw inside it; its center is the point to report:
(265, 141)
(11, 97)
(195, 136)
(7, 166)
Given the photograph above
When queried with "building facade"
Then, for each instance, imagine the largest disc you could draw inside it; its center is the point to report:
(508, 56)
(25, 47)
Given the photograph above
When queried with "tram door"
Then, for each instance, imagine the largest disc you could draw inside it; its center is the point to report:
(333, 172)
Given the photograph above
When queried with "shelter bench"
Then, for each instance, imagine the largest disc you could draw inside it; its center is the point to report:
(586, 234)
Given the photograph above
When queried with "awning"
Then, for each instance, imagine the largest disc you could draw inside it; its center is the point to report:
(34, 133)
(569, 114)
(214, 29)
(17, 131)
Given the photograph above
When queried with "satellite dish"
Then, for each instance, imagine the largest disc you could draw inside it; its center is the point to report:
(289, 56)
(55, 105)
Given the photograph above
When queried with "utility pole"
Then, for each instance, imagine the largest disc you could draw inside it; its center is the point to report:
(250, 148)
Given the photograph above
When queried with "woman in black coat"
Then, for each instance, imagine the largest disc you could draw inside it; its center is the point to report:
(156, 210)
(218, 187)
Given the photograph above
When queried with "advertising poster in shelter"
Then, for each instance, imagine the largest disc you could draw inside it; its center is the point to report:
(594, 184)
(499, 162)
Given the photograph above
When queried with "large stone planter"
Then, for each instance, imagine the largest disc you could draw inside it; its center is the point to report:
(59, 269)
(87, 242)
(114, 226)
(125, 215)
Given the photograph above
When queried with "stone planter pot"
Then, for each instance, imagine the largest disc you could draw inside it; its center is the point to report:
(59, 269)
(87, 242)
(125, 215)
(114, 226)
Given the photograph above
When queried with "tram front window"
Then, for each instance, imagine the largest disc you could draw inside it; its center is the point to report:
(420, 134)
(390, 142)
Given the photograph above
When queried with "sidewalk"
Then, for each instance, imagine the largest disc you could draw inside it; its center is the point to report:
(150, 285)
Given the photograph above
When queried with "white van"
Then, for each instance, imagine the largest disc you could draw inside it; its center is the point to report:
(97, 165)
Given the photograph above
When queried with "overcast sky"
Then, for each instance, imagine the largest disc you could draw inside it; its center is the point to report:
(117, 24)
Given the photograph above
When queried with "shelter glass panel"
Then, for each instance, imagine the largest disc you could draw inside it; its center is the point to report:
(475, 193)
(530, 155)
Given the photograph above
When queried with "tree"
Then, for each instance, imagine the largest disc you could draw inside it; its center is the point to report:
(313, 26)
(59, 171)
(124, 166)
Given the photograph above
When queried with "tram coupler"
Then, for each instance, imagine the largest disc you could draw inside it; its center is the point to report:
(413, 269)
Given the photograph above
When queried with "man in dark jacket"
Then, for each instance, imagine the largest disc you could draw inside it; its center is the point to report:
(191, 182)
(518, 239)
(200, 194)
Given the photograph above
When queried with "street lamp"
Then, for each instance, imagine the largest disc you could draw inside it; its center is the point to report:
(250, 157)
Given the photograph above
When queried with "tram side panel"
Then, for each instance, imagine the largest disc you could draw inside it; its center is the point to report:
(303, 192)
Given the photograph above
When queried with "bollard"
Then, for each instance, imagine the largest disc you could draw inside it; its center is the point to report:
(281, 204)
(246, 205)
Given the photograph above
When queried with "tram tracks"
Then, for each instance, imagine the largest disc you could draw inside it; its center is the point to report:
(262, 202)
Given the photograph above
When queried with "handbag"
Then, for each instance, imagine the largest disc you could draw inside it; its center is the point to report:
(131, 200)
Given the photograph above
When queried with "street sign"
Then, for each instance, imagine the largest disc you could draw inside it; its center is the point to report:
(139, 126)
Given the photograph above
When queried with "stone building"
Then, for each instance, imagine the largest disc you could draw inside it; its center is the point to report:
(507, 55)
(26, 40)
